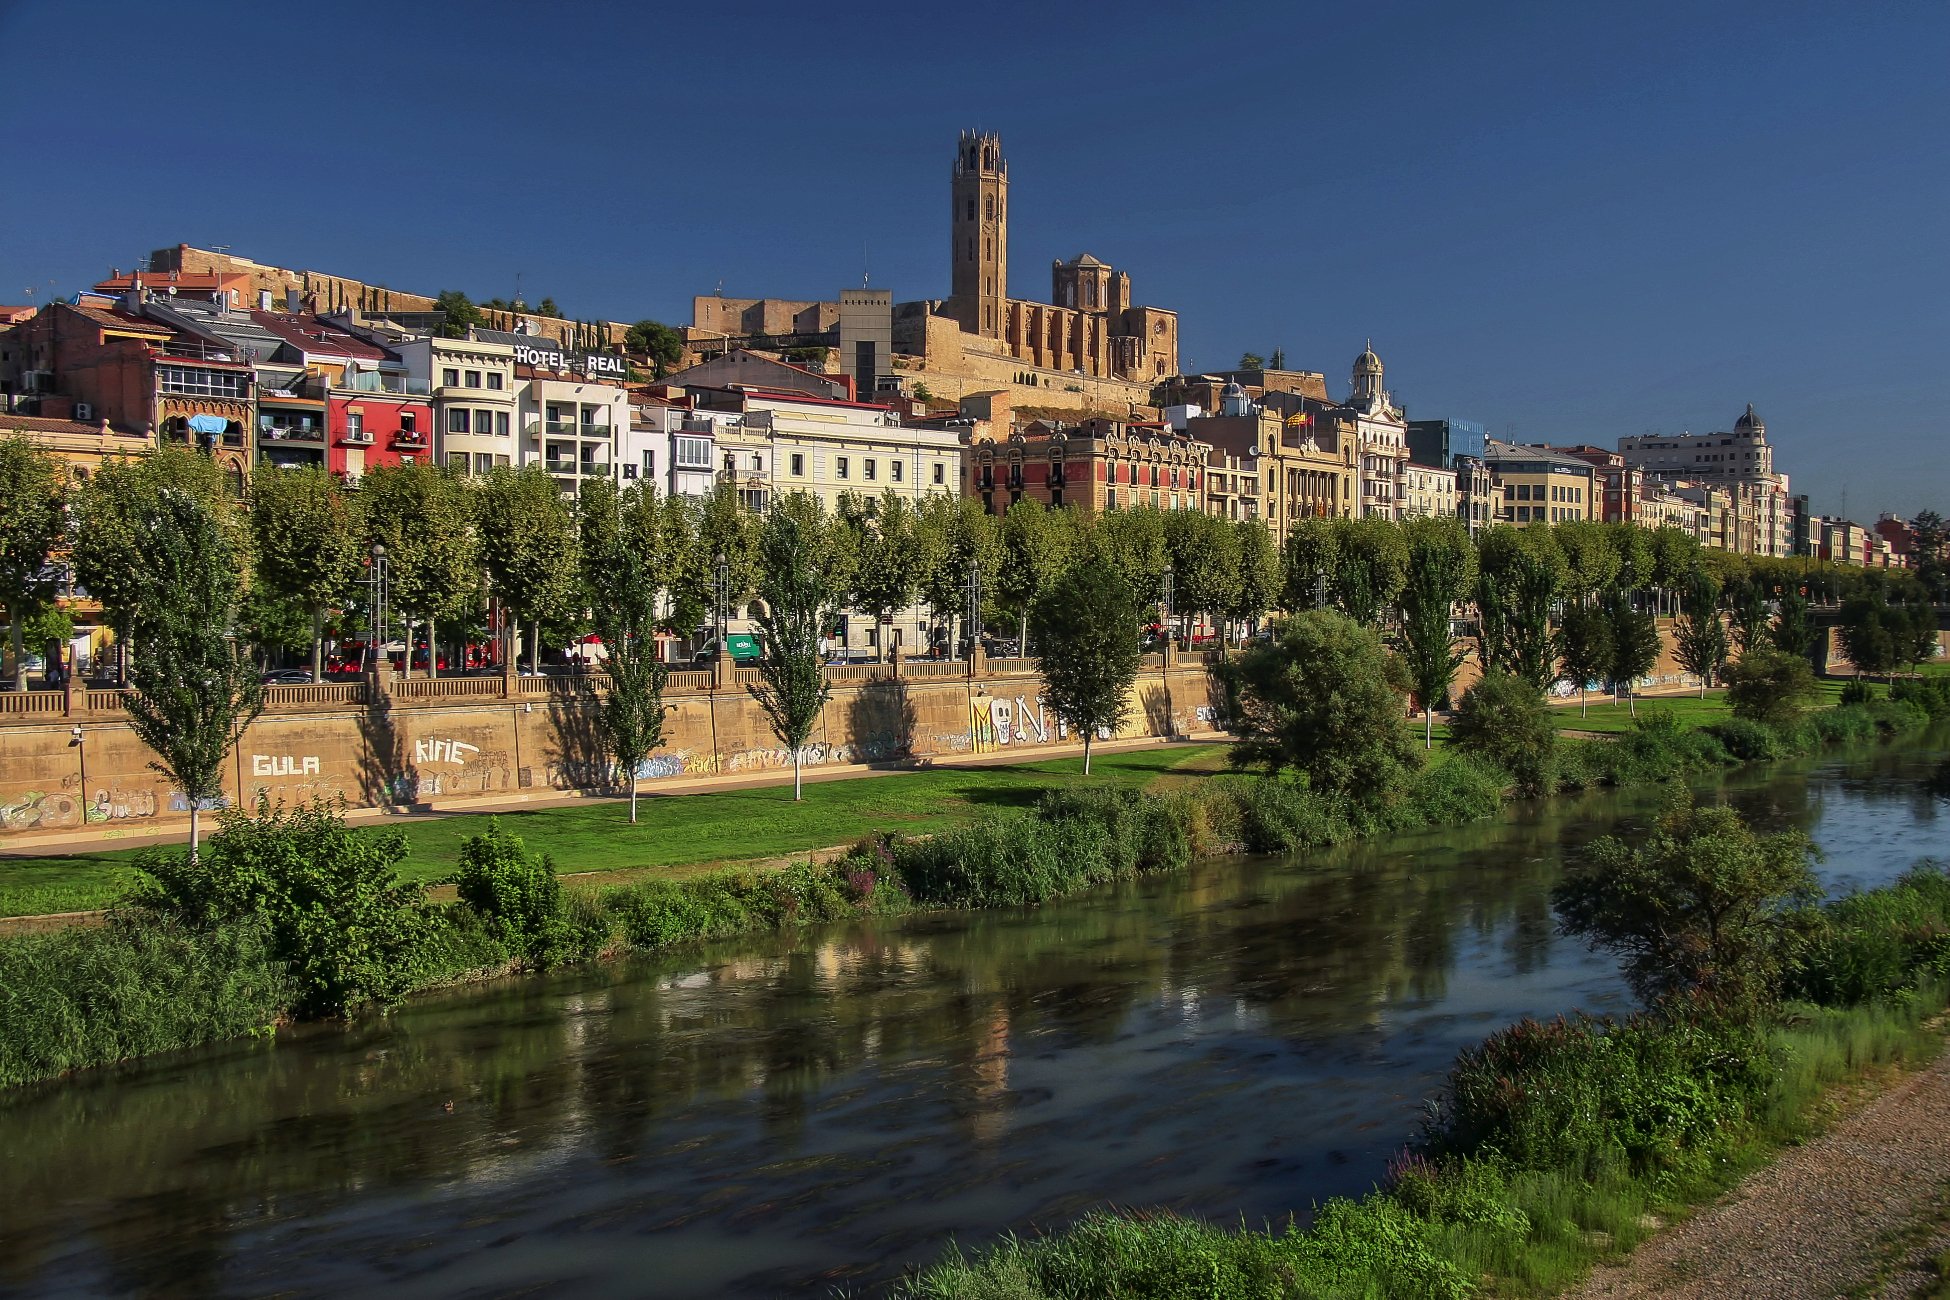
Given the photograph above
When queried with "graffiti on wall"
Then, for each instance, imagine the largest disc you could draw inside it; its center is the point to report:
(1005, 722)
(284, 765)
(443, 751)
(39, 810)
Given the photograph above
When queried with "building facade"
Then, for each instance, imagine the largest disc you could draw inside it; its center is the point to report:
(1759, 518)
(1538, 485)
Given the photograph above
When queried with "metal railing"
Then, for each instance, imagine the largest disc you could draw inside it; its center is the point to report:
(290, 433)
(371, 381)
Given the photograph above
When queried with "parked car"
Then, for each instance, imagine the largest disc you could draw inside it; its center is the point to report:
(288, 677)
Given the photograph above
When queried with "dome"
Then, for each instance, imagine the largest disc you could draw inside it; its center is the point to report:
(1367, 363)
(1748, 422)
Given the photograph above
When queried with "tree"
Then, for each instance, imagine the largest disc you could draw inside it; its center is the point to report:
(1251, 361)
(657, 341)
(1317, 699)
(1703, 907)
(1258, 588)
(1441, 569)
(1372, 565)
(1503, 718)
(1584, 649)
(1873, 632)
(549, 309)
(423, 516)
(970, 539)
(1675, 558)
(1277, 361)
(1519, 574)
(1311, 553)
(623, 540)
(718, 526)
(528, 544)
(1086, 648)
(1591, 562)
(1793, 631)
(1634, 644)
(1769, 687)
(33, 524)
(1037, 544)
(111, 512)
(191, 693)
(1204, 557)
(889, 575)
(308, 539)
(1133, 542)
(1747, 602)
(796, 603)
(461, 314)
(1700, 634)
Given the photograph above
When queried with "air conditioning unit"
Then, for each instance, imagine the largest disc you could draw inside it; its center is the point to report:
(84, 412)
(629, 471)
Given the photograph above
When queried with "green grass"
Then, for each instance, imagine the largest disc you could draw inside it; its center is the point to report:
(676, 834)
(1607, 718)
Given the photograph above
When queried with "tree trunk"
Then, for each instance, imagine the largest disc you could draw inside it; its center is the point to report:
(318, 644)
(1428, 727)
(1584, 700)
(535, 646)
(1022, 634)
(632, 796)
(797, 789)
(1086, 750)
(433, 649)
(18, 637)
(406, 673)
(1632, 700)
(195, 826)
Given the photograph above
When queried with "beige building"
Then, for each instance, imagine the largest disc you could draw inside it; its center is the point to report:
(476, 398)
(1380, 433)
(774, 443)
(1758, 518)
(1274, 463)
(1428, 492)
(1538, 485)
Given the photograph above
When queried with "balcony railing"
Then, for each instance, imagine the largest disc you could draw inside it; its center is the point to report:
(409, 438)
(358, 438)
(371, 381)
(194, 350)
(291, 433)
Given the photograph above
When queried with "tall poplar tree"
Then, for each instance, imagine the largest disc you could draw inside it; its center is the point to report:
(33, 523)
(528, 545)
(424, 517)
(309, 544)
(1441, 570)
(796, 600)
(1037, 545)
(625, 558)
(1700, 634)
(1087, 648)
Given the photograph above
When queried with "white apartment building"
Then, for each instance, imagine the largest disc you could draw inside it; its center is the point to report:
(674, 448)
(476, 398)
(1759, 519)
(1428, 490)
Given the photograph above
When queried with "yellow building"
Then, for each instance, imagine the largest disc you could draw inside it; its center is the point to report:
(1538, 485)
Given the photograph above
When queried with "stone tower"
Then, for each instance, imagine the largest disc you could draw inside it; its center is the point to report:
(979, 285)
(1367, 379)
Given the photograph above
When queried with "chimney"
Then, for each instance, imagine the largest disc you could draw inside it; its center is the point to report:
(291, 301)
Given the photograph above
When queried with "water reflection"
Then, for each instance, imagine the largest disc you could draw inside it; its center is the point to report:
(774, 1117)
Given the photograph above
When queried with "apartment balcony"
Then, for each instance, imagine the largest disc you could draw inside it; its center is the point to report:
(313, 433)
(192, 349)
(368, 381)
(410, 440)
(360, 438)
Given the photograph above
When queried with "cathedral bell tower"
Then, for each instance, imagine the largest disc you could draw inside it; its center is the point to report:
(979, 235)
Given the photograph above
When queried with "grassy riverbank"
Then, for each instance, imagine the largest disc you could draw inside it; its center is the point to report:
(686, 834)
(677, 835)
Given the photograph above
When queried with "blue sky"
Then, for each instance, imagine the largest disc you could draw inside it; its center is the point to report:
(1572, 222)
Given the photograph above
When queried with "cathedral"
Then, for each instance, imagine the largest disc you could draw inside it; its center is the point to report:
(1090, 347)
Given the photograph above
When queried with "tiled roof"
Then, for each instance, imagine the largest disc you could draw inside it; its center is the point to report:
(40, 424)
(116, 320)
(310, 334)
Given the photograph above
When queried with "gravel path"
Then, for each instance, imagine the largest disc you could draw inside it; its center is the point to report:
(1813, 1224)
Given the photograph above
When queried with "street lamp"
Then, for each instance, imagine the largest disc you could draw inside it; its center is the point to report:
(1170, 598)
(721, 592)
(377, 578)
(973, 621)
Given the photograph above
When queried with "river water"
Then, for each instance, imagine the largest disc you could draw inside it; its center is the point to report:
(788, 1114)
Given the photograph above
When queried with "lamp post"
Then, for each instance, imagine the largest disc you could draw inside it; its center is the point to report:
(973, 621)
(377, 578)
(721, 594)
(1169, 596)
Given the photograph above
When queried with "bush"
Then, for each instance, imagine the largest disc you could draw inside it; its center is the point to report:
(1874, 944)
(1931, 694)
(336, 911)
(1857, 692)
(1279, 816)
(1503, 720)
(1748, 741)
(1847, 724)
(516, 892)
(93, 995)
(1579, 1094)
(1770, 687)
(1145, 833)
(1462, 790)
(1006, 861)
(1892, 717)
(1658, 746)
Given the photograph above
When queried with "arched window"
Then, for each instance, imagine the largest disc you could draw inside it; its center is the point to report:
(988, 158)
(988, 207)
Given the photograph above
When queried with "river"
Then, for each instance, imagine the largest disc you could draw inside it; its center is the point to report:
(786, 1114)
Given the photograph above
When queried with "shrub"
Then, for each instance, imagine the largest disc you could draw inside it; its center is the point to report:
(1144, 832)
(1503, 720)
(1768, 686)
(1893, 717)
(336, 911)
(1278, 816)
(1581, 1093)
(1700, 907)
(1857, 691)
(1848, 723)
(1005, 862)
(1931, 694)
(1877, 943)
(1659, 746)
(93, 995)
(1748, 741)
(1464, 789)
(516, 892)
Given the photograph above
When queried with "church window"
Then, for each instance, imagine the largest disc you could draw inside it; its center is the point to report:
(988, 207)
